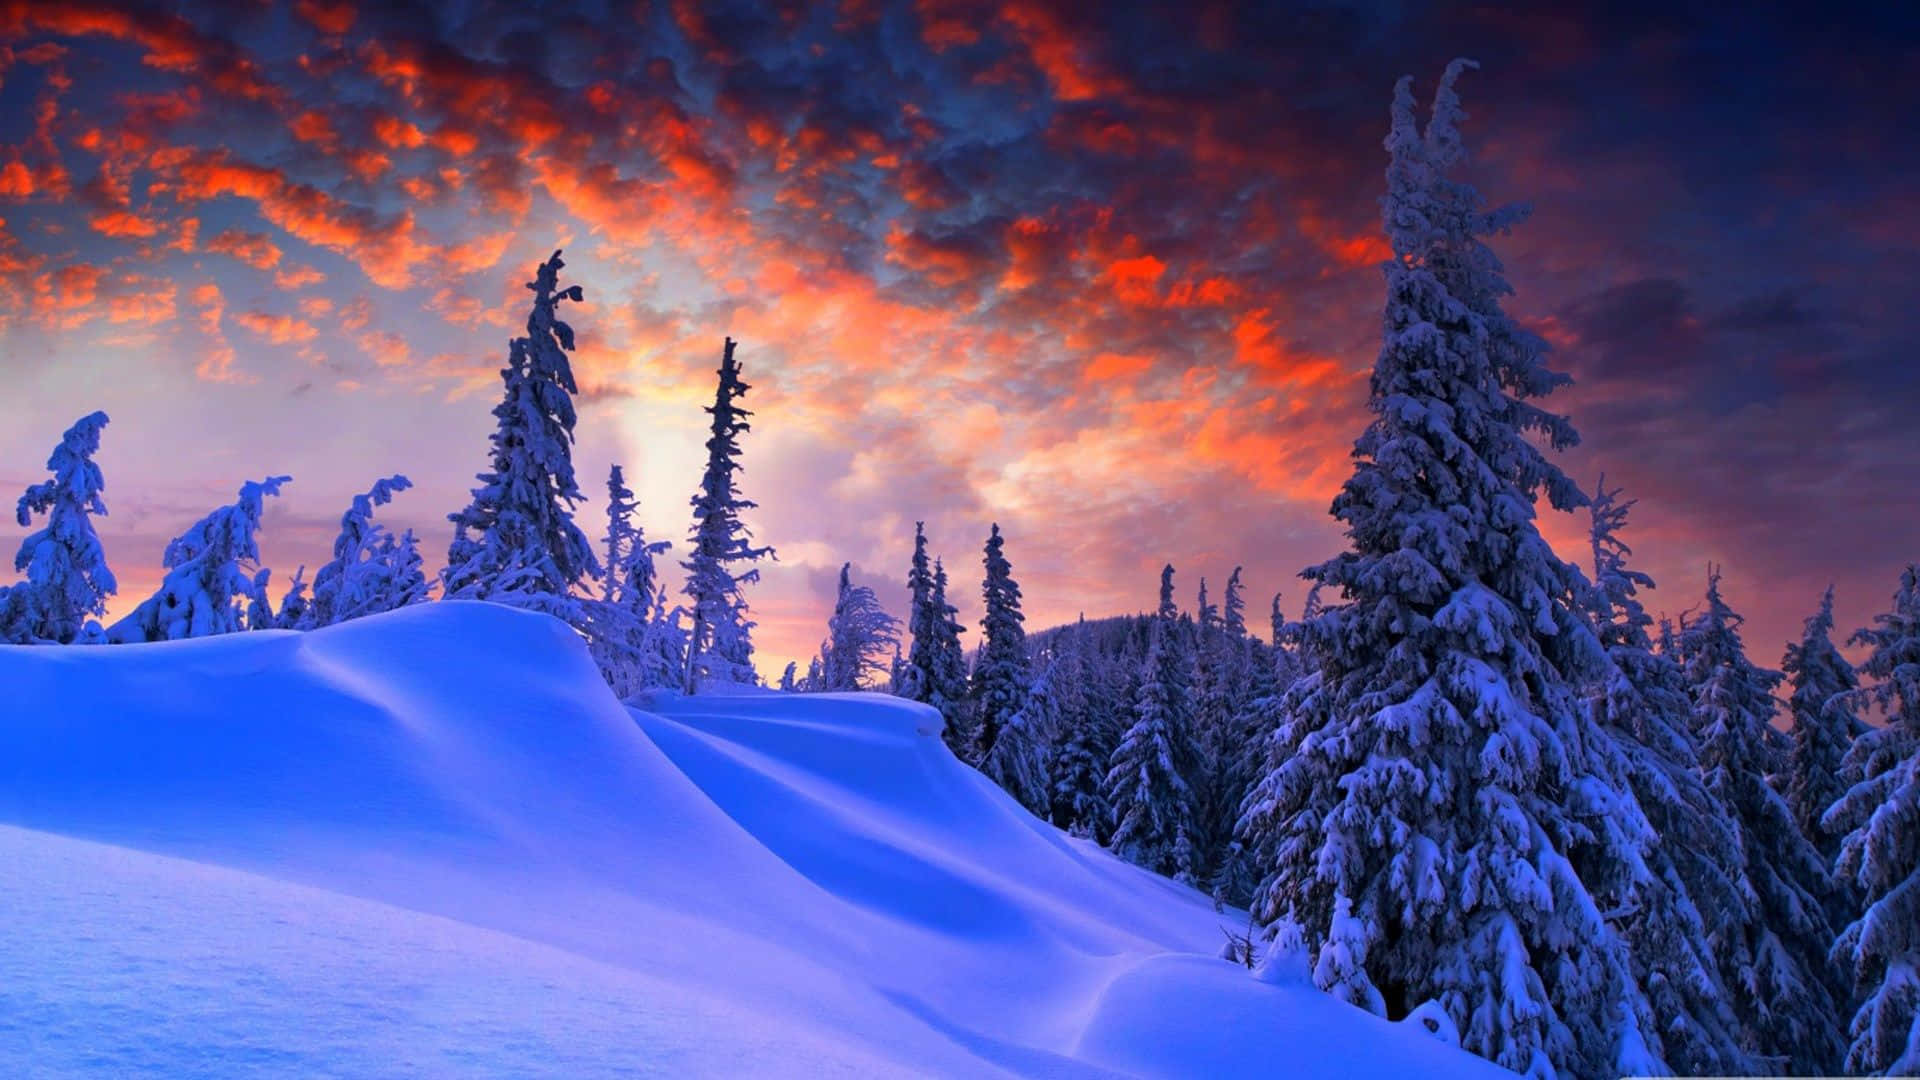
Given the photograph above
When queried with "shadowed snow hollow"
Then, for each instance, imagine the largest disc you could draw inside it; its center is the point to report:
(432, 843)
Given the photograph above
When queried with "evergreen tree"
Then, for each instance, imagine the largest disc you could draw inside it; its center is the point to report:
(1234, 607)
(620, 534)
(1773, 963)
(67, 579)
(1001, 673)
(859, 635)
(1208, 615)
(1168, 609)
(1239, 753)
(1146, 785)
(1664, 912)
(517, 539)
(635, 642)
(1084, 748)
(1018, 759)
(208, 575)
(923, 623)
(1431, 775)
(371, 570)
(721, 645)
(786, 677)
(950, 692)
(1880, 854)
(1278, 622)
(1824, 727)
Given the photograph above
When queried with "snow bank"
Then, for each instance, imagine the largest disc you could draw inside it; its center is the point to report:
(430, 842)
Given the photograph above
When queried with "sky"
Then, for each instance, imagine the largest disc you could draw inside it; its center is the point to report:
(1107, 275)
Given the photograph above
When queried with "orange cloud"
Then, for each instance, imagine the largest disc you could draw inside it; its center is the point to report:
(1134, 280)
(298, 277)
(277, 329)
(251, 248)
(123, 223)
(15, 181)
(386, 250)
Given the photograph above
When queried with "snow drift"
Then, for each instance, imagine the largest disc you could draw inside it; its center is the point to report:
(431, 842)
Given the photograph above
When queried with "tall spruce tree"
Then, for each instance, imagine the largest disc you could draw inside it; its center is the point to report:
(951, 693)
(1773, 963)
(721, 644)
(210, 575)
(1168, 609)
(1824, 727)
(67, 579)
(1001, 673)
(1431, 777)
(517, 539)
(1665, 913)
(1880, 854)
(1147, 788)
(620, 532)
(923, 623)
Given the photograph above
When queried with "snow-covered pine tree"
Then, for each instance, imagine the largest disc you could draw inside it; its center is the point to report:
(620, 535)
(1773, 964)
(1146, 787)
(1001, 672)
(1824, 727)
(517, 541)
(210, 575)
(371, 570)
(922, 622)
(67, 579)
(1233, 612)
(787, 677)
(859, 636)
(951, 692)
(1880, 853)
(1168, 609)
(293, 604)
(1278, 622)
(1019, 761)
(1221, 682)
(1083, 748)
(721, 643)
(1239, 754)
(634, 640)
(1425, 778)
(1641, 704)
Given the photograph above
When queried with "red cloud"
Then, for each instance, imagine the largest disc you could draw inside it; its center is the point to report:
(251, 248)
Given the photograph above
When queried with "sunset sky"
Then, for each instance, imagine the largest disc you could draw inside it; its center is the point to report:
(1106, 274)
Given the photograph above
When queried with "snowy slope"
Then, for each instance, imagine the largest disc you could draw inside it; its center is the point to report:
(431, 843)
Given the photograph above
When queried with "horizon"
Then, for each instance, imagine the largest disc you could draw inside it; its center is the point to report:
(977, 275)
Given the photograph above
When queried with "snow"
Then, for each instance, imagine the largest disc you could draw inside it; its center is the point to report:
(430, 842)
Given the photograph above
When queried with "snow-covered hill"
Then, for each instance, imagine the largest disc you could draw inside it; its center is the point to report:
(431, 843)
